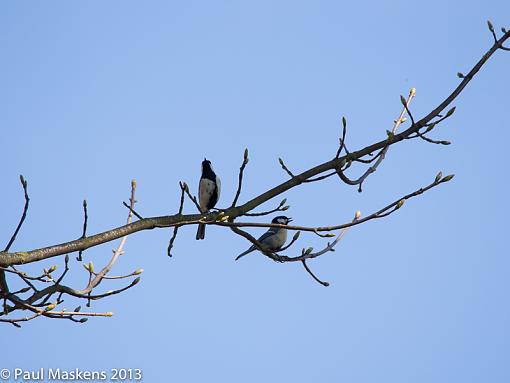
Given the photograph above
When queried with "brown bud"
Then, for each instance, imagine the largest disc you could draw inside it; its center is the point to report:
(491, 27)
(450, 112)
(430, 127)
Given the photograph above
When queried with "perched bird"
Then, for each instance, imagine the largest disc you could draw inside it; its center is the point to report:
(209, 190)
(274, 238)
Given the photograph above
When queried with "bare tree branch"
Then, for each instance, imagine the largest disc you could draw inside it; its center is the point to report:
(41, 288)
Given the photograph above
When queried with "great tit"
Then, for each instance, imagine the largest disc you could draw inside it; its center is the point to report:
(274, 238)
(209, 190)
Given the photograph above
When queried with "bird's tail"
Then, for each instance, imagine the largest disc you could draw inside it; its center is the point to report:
(243, 254)
(200, 231)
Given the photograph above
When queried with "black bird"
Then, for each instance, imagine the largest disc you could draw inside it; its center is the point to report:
(209, 190)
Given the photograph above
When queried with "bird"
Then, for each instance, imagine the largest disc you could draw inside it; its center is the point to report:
(209, 189)
(274, 238)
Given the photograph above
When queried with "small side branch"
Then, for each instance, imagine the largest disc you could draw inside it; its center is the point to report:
(85, 219)
(342, 139)
(132, 210)
(24, 184)
(184, 188)
(192, 198)
(323, 283)
(381, 155)
(240, 182)
(280, 207)
(4, 287)
(116, 254)
(284, 167)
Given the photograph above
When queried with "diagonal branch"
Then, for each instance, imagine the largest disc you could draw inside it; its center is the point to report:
(99, 276)
(7, 259)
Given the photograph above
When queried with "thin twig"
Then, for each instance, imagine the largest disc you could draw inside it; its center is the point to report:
(136, 272)
(4, 287)
(99, 277)
(284, 167)
(280, 207)
(85, 219)
(80, 313)
(132, 210)
(240, 182)
(342, 140)
(184, 187)
(320, 178)
(193, 199)
(323, 283)
(383, 151)
(24, 183)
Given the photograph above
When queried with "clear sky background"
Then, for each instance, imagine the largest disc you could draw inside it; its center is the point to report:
(96, 93)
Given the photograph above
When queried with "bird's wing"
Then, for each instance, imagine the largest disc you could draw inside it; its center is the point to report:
(263, 239)
(218, 186)
(266, 239)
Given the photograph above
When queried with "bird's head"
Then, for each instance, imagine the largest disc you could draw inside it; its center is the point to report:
(206, 164)
(282, 220)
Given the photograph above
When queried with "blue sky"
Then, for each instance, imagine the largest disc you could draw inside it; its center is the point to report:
(96, 93)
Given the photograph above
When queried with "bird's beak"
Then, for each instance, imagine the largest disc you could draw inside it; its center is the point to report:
(205, 159)
(289, 220)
